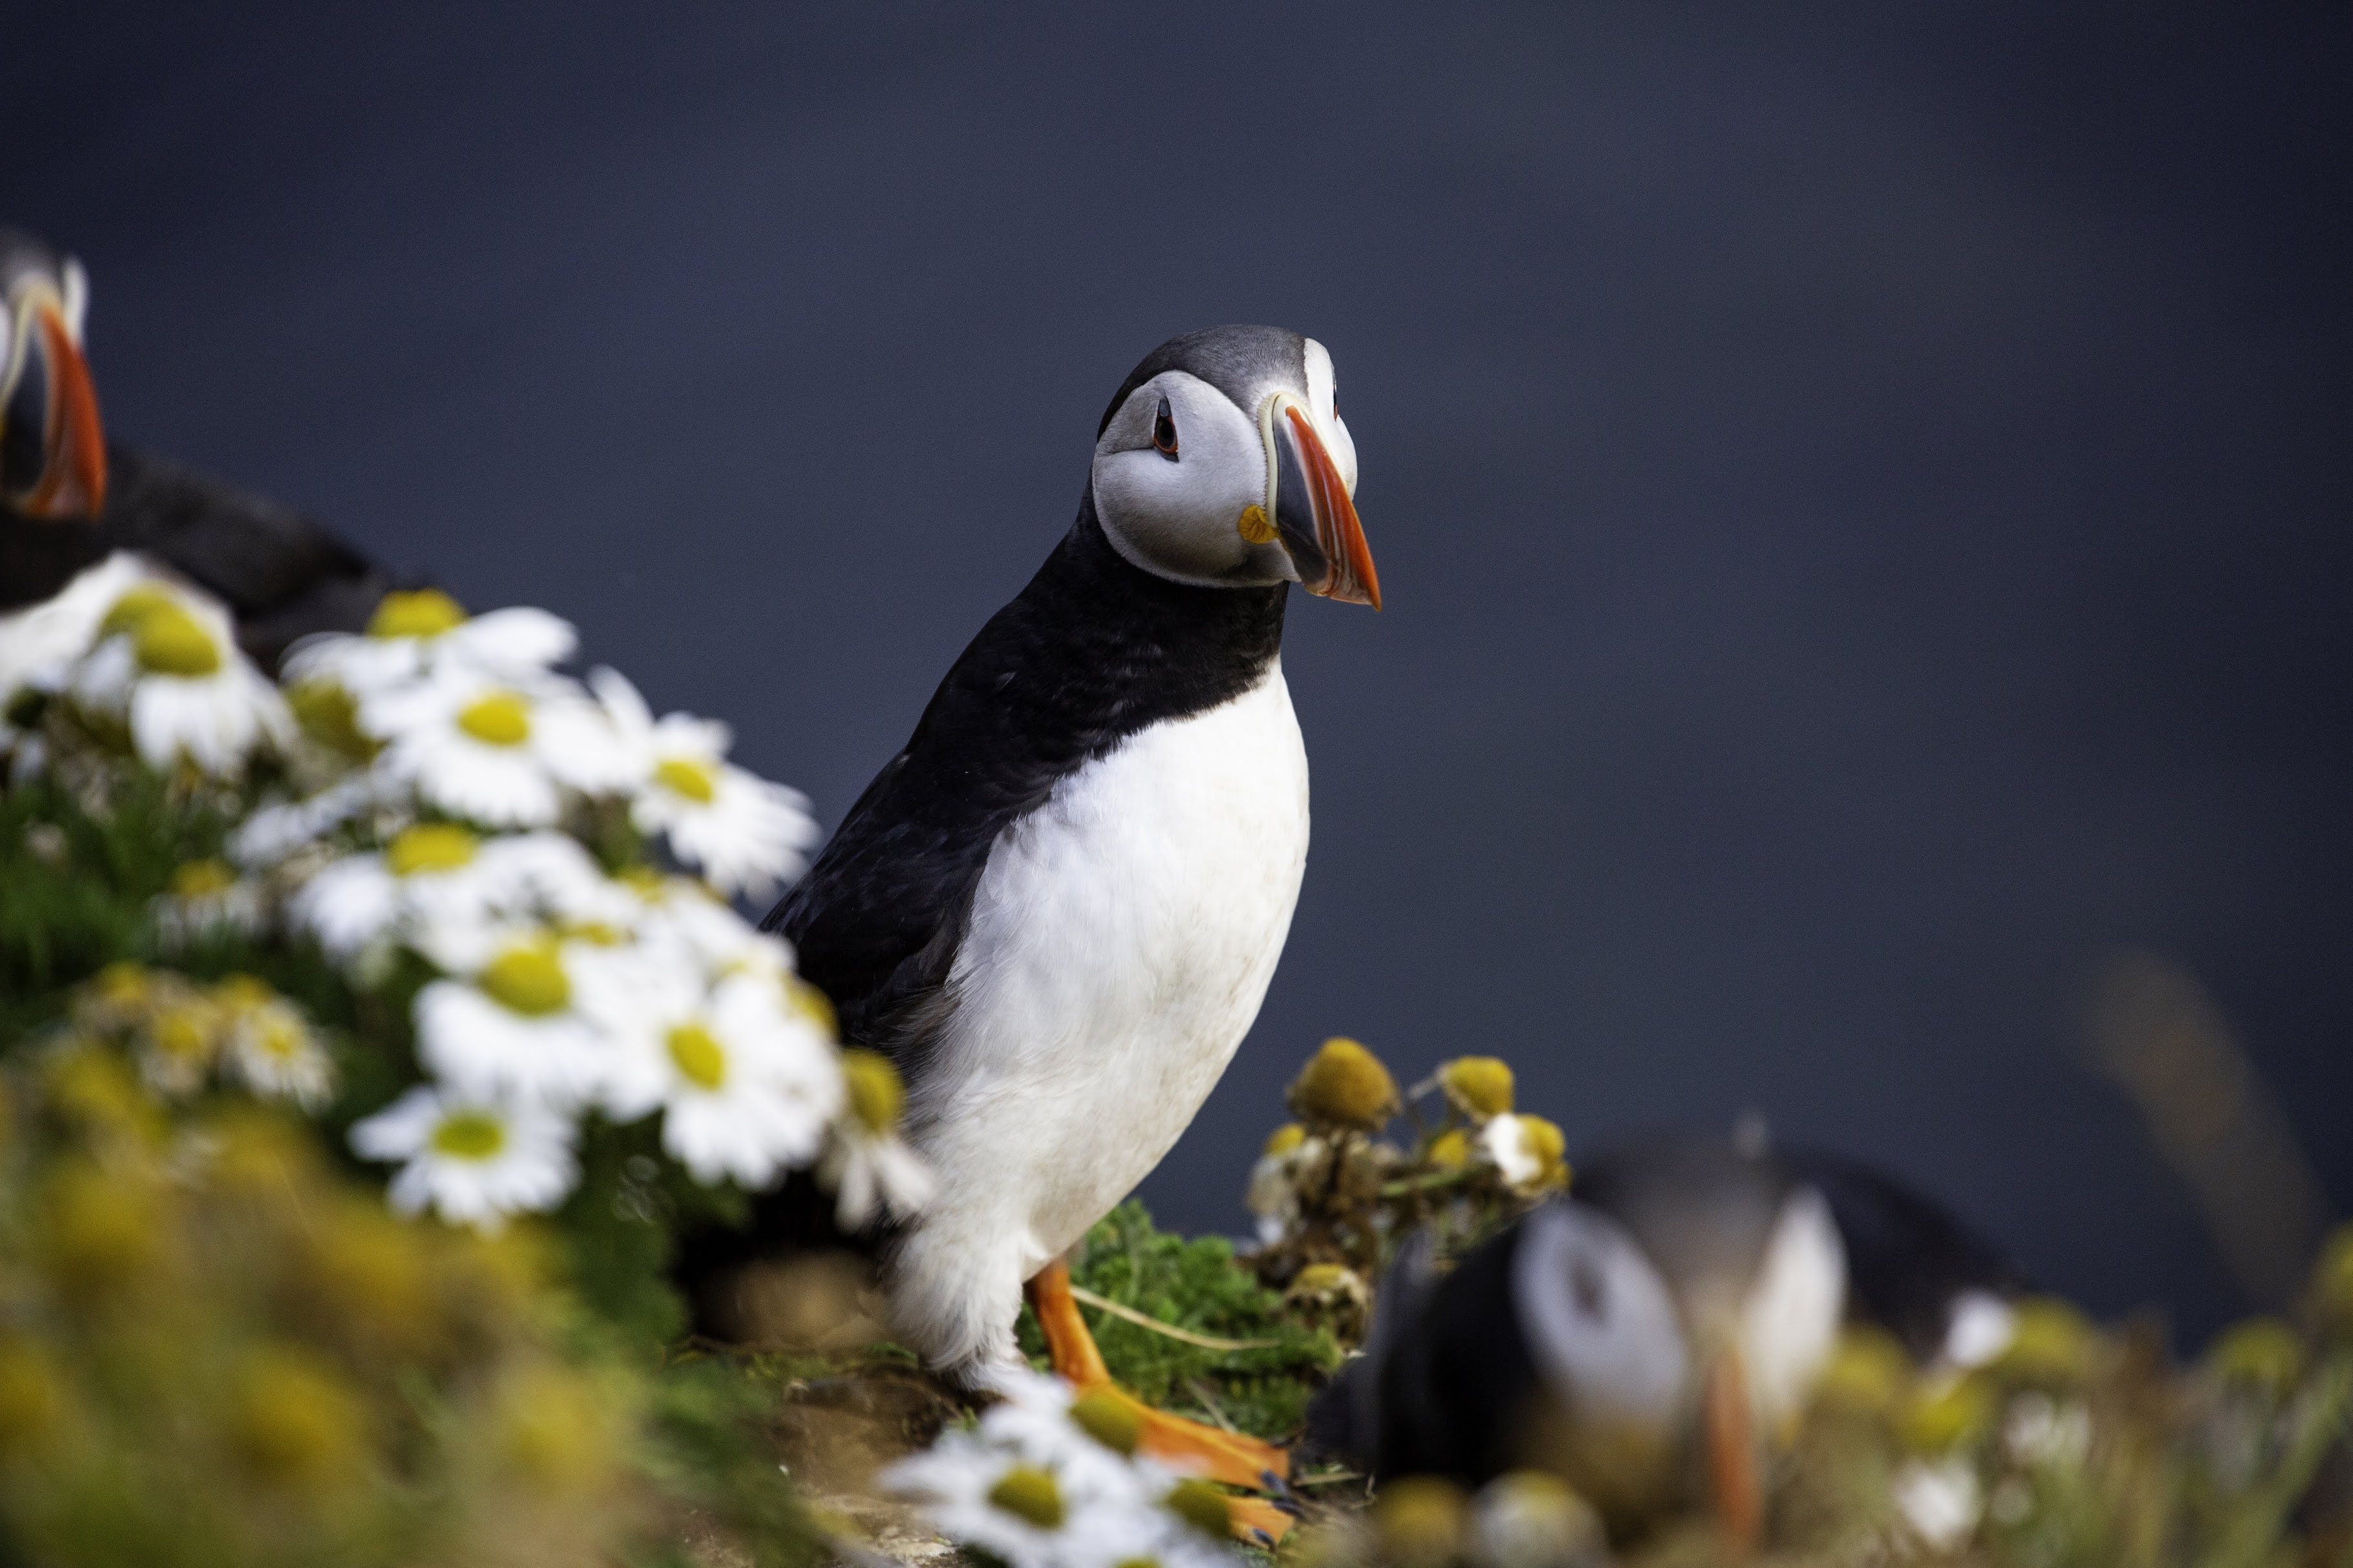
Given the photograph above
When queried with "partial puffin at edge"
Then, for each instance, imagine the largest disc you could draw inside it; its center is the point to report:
(70, 497)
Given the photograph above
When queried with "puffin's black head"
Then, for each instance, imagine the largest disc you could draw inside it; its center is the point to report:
(52, 453)
(1223, 462)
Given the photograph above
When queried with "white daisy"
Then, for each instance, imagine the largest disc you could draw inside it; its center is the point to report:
(745, 1081)
(1034, 1484)
(38, 644)
(204, 898)
(743, 833)
(412, 635)
(474, 1160)
(275, 833)
(167, 664)
(683, 920)
(1034, 1421)
(272, 1046)
(496, 751)
(519, 1022)
(980, 1494)
(364, 898)
(867, 1163)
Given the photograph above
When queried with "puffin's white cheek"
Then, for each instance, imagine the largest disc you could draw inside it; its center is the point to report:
(1175, 518)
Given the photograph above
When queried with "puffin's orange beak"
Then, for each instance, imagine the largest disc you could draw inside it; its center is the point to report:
(1735, 1480)
(71, 484)
(1314, 516)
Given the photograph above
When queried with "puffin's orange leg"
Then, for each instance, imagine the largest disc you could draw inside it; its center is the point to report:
(1181, 1444)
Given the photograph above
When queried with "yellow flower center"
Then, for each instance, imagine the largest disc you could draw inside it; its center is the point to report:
(282, 1037)
(876, 1094)
(526, 980)
(1028, 1492)
(701, 1059)
(201, 878)
(501, 718)
(168, 641)
(426, 612)
(697, 781)
(1451, 1151)
(469, 1135)
(1203, 1507)
(243, 993)
(1284, 1139)
(1482, 1086)
(183, 1032)
(1108, 1420)
(133, 608)
(331, 716)
(430, 847)
(811, 1005)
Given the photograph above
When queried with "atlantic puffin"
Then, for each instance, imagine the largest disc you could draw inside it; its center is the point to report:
(1058, 908)
(1646, 1337)
(69, 498)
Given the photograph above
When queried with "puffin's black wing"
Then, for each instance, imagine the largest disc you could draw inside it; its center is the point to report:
(1091, 652)
(1908, 1257)
(282, 576)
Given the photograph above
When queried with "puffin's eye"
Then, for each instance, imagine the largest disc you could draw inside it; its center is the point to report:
(1163, 431)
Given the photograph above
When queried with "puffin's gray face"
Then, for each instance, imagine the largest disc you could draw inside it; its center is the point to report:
(52, 452)
(1236, 471)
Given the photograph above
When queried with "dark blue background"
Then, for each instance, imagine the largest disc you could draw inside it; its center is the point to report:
(1863, 493)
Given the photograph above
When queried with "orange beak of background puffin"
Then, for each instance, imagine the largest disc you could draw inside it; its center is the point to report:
(54, 393)
(1314, 516)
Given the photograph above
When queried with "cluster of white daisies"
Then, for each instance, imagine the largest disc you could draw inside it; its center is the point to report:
(1050, 1480)
(437, 778)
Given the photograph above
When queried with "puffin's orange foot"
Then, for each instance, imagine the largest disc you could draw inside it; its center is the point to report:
(1196, 1449)
(1258, 1522)
(1192, 1447)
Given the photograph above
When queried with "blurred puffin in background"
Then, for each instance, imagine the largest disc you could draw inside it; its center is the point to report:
(1651, 1338)
(69, 498)
(1057, 909)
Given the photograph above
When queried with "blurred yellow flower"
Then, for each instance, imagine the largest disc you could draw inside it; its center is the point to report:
(1345, 1086)
(2053, 1343)
(1479, 1087)
(2263, 1352)
(296, 1423)
(1421, 1521)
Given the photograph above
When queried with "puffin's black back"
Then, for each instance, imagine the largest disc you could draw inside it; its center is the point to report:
(1907, 1255)
(1092, 651)
(282, 576)
(1456, 1387)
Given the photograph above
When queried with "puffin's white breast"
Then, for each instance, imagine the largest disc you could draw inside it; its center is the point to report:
(1121, 939)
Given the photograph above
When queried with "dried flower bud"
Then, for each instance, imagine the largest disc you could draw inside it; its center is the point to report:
(1527, 1153)
(1345, 1084)
(1479, 1087)
(2261, 1353)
